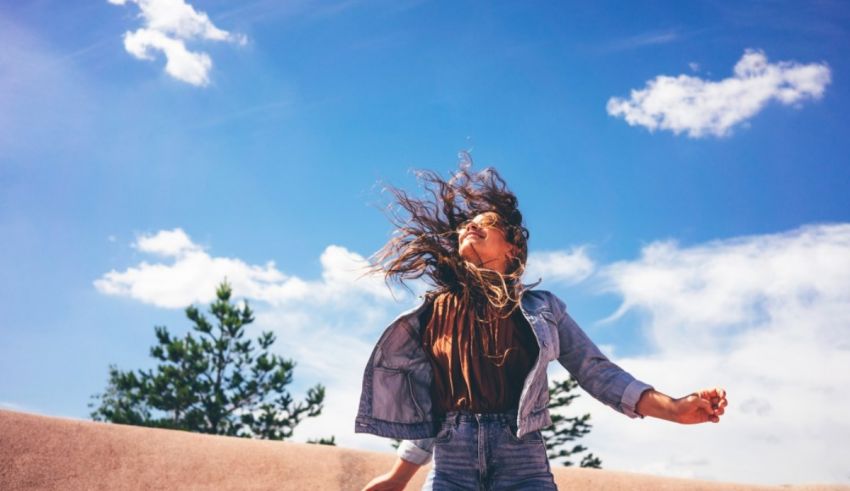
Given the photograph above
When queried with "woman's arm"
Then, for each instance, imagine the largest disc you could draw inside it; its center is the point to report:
(699, 407)
(594, 372)
(615, 387)
(412, 454)
(396, 479)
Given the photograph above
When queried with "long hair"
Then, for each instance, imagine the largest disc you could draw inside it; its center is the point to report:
(425, 240)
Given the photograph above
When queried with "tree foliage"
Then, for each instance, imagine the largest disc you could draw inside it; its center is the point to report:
(565, 430)
(214, 381)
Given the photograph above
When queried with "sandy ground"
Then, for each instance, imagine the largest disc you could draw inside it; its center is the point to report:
(40, 452)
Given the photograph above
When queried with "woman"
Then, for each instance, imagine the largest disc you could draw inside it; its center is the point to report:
(463, 376)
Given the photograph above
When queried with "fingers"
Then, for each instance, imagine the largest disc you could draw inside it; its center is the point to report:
(705, 405)
(721, 403)
(712, 393)
(709, 412)
(712, 402)
(716, 395)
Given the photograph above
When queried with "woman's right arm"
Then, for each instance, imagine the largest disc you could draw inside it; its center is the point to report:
(396, 479)
(412, 454)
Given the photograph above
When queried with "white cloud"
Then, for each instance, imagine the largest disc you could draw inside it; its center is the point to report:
(702, 107)
(567, 267)
(768, 318)
(193, 275)
(169, 243)
(181, 63)
(168, 25)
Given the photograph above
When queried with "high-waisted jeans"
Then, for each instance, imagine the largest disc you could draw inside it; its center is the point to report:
(480, 451)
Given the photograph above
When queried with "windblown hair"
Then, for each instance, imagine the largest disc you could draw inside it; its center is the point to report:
(425, 242)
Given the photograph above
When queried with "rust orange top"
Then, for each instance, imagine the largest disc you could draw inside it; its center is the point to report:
(477, 367)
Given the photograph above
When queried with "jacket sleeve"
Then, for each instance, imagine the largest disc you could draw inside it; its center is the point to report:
(416, 451)
(593, 371)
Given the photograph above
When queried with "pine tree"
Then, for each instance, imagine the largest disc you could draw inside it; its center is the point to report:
(214, 381)
(567, 429)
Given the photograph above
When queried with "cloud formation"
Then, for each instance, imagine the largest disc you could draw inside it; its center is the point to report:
(566, 267)
(701, 107)
(168, 25)
(768, 318)
(193, 274)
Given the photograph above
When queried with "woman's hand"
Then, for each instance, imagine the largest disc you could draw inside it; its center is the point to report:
(386, 482)
(394, 480)
(699, 407)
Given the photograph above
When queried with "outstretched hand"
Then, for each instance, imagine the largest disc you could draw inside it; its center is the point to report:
(701, 407)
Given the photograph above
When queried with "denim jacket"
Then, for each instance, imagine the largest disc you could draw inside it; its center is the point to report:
(395, 401)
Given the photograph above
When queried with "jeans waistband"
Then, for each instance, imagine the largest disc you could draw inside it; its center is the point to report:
(502, 417)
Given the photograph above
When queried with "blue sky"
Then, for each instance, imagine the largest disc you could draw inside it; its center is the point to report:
(721, 206)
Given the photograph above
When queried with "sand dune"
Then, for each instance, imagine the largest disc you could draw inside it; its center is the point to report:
(40, 452)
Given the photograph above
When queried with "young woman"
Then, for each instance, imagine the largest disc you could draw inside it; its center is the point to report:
(463, 375)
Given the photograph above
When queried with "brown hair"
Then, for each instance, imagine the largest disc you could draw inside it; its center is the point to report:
(425, 242)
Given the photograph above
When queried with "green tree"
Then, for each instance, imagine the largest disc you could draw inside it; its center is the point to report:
(212, 382)
(563, 429)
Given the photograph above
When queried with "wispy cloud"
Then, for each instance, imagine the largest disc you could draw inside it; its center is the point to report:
(651, 38)
(768, 318)
(43, 95)
(568, 267)
(266, 110)
(702, 107)
(168, 25)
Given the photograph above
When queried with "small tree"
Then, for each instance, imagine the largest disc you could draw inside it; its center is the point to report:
(563, 429)
(567, 429)
(213, 383)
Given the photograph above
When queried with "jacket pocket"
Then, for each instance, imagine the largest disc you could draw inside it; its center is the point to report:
(392, 396)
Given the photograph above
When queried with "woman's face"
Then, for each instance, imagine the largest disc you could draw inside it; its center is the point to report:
(482, 241)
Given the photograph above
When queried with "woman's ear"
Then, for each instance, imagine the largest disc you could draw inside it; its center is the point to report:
(512, 253)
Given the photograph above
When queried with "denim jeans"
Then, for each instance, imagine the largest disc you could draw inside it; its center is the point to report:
(480, 451)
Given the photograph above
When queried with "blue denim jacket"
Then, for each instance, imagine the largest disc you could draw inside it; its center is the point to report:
(395, 401)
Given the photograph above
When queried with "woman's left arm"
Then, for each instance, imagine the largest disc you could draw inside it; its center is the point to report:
(615, 387)
(699, 407)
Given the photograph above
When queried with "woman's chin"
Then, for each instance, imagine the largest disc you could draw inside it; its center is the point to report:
(467, 253)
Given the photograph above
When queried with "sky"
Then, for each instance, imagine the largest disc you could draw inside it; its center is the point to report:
(682, 167)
